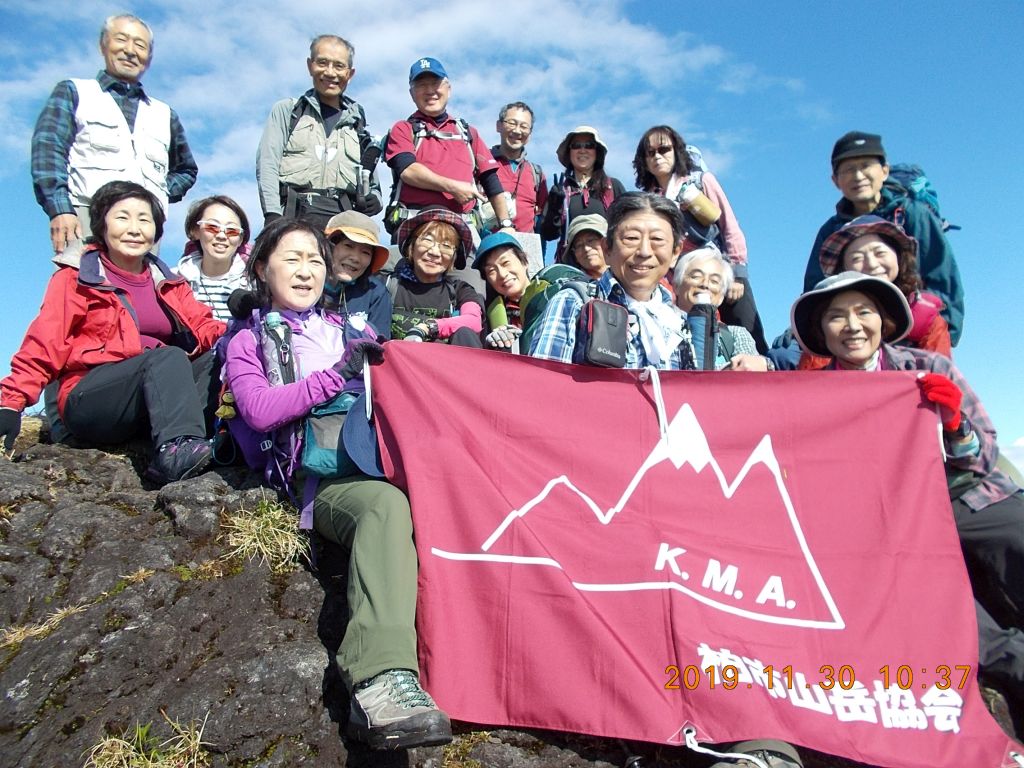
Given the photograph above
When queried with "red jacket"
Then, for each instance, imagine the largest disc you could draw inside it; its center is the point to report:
(85, 321)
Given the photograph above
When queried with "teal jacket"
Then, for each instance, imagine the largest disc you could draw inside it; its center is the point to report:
(935, 260)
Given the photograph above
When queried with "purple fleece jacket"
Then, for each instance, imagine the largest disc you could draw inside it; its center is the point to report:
(265, 408)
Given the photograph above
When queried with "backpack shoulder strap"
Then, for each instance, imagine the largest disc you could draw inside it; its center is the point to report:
(298, 109)
(728, 340)
(538, 175)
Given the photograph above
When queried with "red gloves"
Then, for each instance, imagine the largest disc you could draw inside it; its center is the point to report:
(943, 392)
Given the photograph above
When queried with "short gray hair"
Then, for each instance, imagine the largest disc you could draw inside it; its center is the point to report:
(333, 39)
(709, 252)
(108, 25)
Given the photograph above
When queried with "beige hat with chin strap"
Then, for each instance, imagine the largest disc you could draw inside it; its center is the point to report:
(563, 148)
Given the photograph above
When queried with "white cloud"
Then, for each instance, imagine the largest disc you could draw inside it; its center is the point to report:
(222, 65)
(1015, 453)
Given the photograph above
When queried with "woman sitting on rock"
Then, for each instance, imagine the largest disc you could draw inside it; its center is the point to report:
(368, 517)
(126, 340)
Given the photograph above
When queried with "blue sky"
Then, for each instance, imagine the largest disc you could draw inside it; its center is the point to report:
(763, 88)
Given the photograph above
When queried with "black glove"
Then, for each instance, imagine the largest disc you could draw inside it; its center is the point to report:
(241, 303)
(10, 426)
(268, 218)
(358, 352)
(369, 204)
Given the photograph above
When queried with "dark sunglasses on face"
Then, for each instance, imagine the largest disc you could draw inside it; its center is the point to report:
(583, 145)
(664, 149)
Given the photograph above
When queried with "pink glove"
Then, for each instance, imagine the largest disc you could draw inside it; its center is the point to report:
(943, 392)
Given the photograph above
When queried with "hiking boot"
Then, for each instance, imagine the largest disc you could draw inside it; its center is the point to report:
(392, 711)
(773, 753)
(178, 459)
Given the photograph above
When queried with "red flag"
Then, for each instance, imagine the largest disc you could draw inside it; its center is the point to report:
(738, 555)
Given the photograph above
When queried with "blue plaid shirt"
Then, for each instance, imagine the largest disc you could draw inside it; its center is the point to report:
(55, 133)
(555, 339)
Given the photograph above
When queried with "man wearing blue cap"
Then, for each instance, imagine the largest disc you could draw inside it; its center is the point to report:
(437, 159)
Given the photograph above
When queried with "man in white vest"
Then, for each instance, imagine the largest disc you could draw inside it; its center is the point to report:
(92, 131)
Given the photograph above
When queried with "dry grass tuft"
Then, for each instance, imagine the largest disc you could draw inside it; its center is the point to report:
(269, 533)
(138, 576)
(13, 636)
(136, 748)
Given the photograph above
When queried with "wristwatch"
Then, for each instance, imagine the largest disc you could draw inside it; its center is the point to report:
(432, 330)
(505, 224)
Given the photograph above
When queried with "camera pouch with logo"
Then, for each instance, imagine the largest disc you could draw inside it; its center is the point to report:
(601, 337)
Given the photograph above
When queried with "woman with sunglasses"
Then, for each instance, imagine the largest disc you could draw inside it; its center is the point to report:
(585, 187)
(429, 304)
(215, 254)
(664, 166)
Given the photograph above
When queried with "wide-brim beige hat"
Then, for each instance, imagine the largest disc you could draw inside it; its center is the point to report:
(563, 148)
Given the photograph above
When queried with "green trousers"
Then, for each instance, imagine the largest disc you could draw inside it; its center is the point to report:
(371, 520)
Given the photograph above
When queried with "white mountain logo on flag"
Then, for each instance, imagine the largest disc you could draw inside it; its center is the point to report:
(781, 562)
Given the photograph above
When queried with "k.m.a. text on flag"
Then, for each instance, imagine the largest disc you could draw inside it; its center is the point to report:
(719, 556)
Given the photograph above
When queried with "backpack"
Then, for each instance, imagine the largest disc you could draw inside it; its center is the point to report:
(539, 292)
(311, 444)
(909, 180)
(393, 214)
(299, 109)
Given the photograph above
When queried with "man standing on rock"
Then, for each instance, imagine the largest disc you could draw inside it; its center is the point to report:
(522, 179)
(106, 129)
(309, 163)
(438, 159)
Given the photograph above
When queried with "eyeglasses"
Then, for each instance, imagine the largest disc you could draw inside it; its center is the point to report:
(851, 170)
(512, 125)
(329, 64)
(664, 149)
(583, 145)
(215, 228)
(429, 243)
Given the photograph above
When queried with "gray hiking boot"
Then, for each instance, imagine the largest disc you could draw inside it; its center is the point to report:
(392, 711)
(771, 752)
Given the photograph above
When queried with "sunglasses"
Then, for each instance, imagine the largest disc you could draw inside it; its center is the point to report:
(664, 149)
(215, 228)
(583, 145)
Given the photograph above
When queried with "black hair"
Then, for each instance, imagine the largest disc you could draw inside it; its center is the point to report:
(195, 214)
(645, 180)
(112, 193)
(267, 242)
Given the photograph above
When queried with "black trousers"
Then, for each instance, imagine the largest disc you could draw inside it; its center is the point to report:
(992, 540)
(1000, 653)
(744, 312)
(161, 390)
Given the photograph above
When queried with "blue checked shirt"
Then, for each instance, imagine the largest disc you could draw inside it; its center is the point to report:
(55, 133)
(555, 339)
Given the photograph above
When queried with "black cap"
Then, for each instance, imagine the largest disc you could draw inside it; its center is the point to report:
(857, 144)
